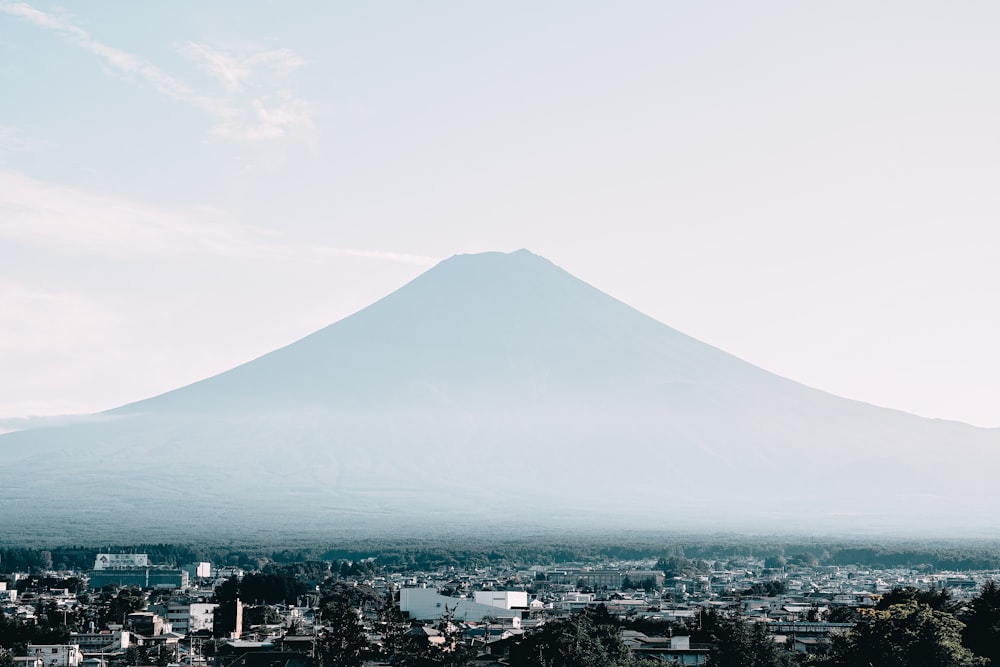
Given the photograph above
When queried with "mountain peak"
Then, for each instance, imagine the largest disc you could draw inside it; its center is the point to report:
(520, 260)
(486, 328)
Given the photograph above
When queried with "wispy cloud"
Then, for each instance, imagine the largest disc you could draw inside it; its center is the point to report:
(50, 215)
(236, 71)
(75, 220)
(267, 117)
(275, 116)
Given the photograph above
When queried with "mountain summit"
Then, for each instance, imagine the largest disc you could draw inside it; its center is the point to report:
(479, 330)
(498, 388)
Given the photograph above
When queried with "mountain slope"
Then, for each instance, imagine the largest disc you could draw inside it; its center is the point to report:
(499, 387)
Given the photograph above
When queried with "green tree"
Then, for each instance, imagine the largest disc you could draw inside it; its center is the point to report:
(588, 639)
(263, 614)
(453, 652)
(393, 627)
(911, 634)
(935, 598)
(982, 623)
(673, 565)
(136, 655)
(738, 643)
(121, 605)
(343, 642)
(775, 562)
(6, 658)
(766, 588)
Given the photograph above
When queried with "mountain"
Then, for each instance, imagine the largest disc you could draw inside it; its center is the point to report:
(498, 390)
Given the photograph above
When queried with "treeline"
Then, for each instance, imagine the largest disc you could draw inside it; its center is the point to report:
(675, 555)
(26, 559)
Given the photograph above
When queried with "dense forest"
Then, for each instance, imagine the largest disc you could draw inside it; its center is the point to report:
(436, 552)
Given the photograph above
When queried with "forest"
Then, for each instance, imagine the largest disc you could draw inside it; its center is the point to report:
(475, 551)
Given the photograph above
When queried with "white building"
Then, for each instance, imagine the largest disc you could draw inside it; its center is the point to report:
(56, 655)
(187, 618)
(503, 599)
(101, 642)
(426, 604)
(199, 570)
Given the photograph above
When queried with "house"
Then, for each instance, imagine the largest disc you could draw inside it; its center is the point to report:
(56, 655)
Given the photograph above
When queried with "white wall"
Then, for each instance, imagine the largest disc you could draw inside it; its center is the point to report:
(427, 604)
(503, 599)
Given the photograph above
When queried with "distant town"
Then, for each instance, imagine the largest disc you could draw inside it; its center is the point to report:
(128, 610)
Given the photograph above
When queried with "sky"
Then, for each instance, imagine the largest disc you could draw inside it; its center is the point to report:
(812, 187)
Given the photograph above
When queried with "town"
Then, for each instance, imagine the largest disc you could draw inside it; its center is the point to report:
(127, 610)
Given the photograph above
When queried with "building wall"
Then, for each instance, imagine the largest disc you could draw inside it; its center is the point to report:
(188, 618)
(199, 570)
(94, 642)
(57, 655)
(427, 604)
(503, 599)
(139, 577)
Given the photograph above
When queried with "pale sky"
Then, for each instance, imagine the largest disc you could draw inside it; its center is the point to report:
(812, 187)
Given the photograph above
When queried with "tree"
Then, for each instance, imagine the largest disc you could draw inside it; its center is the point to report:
(775, 562)
(453, 652)
(742, 644)
(911, 634)
(343, 643)
(124, 603)
(982, 623)
(260, 615)
(767, 588)
(6, 658)
(393, 627)
(935, 598)
(588, 639)
(674, 565)
(136, 655)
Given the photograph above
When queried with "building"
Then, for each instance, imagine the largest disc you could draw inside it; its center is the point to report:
(133, 570)
(102, 642)
(426, 604)
(120, 561)
(147, 623)
(56, 655)
(503, 599)
(142, 577)
(198, 570)
(640, 577)
(7, 596)
(672, 650)
(188, 618)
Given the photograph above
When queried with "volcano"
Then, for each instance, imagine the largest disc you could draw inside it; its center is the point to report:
(498, 390)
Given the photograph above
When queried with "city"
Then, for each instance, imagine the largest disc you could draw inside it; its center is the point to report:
(127, 610)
